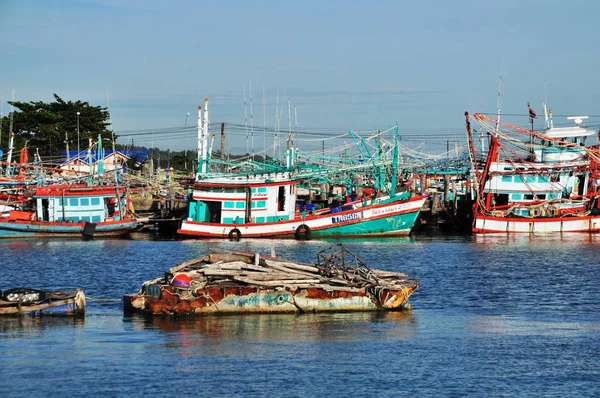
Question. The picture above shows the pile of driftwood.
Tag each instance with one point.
(337, 269)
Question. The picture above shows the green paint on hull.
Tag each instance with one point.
(400, 224)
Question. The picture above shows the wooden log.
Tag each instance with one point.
(273, 283)
(281, 268)
(228, 258)
(220, 272)
(250, 267)
(190, 263)
(300, 267)
(234, 265)
(261, 276)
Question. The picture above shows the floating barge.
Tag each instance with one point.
(227, 283)
(24, 301)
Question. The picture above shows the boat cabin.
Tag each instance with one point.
(262, 198)
(68, 203)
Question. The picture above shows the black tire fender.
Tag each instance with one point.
(235, 234)
(302, 232)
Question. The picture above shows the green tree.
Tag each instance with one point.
(44, 125)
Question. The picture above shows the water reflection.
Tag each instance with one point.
(203, 331)
(35, 326)
(528, 239)
(517, 326)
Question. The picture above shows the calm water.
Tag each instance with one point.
(494, 316)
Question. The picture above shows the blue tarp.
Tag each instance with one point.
(138, 154)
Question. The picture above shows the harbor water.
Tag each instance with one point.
(493, 316)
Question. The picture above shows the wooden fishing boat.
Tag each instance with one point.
(262, 204)
(21, 301)
(63, 210)
(536, 182)
(228, 283)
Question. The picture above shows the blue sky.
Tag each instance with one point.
(343, 65)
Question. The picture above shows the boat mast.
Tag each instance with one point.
(246, 121)
(203, 123)
(500, 95)
(251, 124)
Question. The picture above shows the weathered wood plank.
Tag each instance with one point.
(291, 265)
(273, 283)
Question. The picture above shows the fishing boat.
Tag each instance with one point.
(77, 210)
(24, 301)
(261, 204)
(237, 283)
(536, 182)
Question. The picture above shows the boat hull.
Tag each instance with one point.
(36, 229)
(246, 299)
(55, 304)
(395, 218)
(488, 224)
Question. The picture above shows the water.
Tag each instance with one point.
(494, 316)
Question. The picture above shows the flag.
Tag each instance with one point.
(532, 113)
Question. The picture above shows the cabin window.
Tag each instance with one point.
(96, 219)
(506, 178)
(260, 219)
(531, 179)
(516, 196)
(84, 201)
(73, 202)
(261, 204)
(59, 202)
(543, 179)
(253, 190)
(501, 199)
(528, 196)
(262, 189)
(228, 205)
(95, 201)
(541, 196)
(239, 205)
(508, 168)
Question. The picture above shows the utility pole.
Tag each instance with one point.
(78, 113)
(223, 168)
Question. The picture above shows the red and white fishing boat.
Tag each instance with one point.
(536, 182)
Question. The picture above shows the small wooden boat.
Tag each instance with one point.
(71, 211)
(22, 301)
(240, 282)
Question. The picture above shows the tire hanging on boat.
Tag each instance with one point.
(302, 232)
(235, 234)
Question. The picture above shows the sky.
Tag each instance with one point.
(340, 65)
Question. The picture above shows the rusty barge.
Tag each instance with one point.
(237, 282)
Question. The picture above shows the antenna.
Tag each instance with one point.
(500, 94)
(577, 119)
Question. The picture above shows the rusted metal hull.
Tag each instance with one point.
(249, 299)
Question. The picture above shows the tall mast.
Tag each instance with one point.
(264, 127)
(246, 121)
(10, 127)
(203, 124)
(500, 94)
(276, 143)
(199, 140)
(251, 124)
(1, 114)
